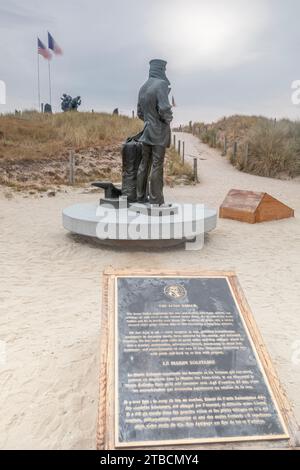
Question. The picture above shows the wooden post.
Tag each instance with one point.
(225, 147)
(174, 141)
(133, 115)
(183, 152)
(196, 170)
(234, 151)
(71, 169)
(179, 146)
(246, 155)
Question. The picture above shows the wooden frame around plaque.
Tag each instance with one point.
(107, 419)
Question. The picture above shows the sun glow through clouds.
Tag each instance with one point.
(202, 34)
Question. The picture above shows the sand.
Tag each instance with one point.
(50, 299)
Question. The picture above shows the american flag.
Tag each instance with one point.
(52, 44)
(42, 50)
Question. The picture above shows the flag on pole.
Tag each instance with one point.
(173, 102)
(52, 44)
(42, 50)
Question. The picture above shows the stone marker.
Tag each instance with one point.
(253, 207)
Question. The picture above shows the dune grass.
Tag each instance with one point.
(274, 149)
(35, 136)
(35, 149)
(274, 146)
(175, 167)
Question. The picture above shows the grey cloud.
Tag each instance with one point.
(107, 45)
(13, 14)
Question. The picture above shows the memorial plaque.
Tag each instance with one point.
(183, 366)
(186, 368)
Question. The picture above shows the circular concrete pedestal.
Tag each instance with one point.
(123, 227)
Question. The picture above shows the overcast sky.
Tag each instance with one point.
(224, 56)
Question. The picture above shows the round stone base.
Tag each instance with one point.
(126, 228)
(133, 245)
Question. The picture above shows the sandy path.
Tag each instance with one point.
(51, 292)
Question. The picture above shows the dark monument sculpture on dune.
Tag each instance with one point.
(70, 104)
(48, 108)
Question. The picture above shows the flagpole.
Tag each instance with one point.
(39, 85)
(50, 91)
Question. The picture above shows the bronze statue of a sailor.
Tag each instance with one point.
(155, 110)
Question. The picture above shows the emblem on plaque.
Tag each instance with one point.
(175, 291)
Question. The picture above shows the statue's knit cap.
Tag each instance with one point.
(158, 69)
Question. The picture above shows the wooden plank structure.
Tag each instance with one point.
(253, 207)
(107, 401)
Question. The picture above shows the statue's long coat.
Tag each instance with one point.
(155, 110)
